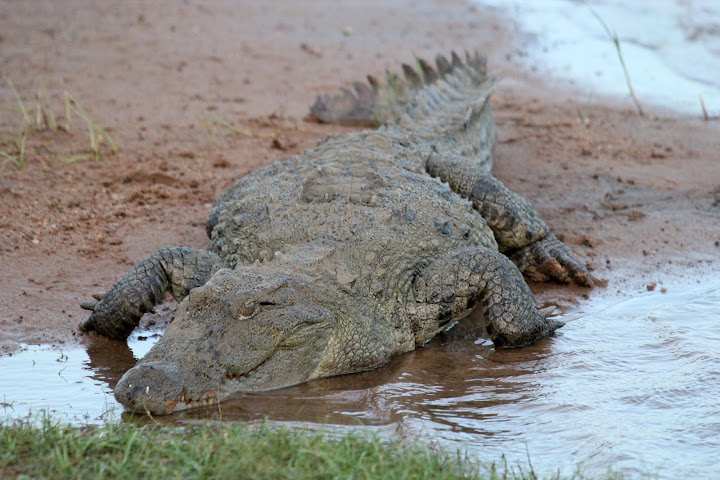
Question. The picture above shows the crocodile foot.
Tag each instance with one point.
(550, 259)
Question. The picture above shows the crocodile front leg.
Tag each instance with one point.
(460, 280)
(171, 269)
(519, 231)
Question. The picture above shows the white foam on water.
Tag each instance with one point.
(671, 47)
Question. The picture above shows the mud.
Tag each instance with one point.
(638, 197)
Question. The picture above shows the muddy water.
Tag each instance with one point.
(631, 382)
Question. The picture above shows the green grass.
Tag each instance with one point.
(50, 450)
(43, 448)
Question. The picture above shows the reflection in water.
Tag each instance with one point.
(109, 360)
(73, 385)
(630, 384)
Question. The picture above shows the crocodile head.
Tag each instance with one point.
(241, 331)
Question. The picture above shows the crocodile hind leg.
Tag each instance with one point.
(519, 231)
(171, 269)
(457, 282)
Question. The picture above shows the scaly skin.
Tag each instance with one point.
(361, 248)
(171, 269)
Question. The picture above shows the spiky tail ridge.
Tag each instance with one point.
(376, 103)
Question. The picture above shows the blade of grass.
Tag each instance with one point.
(66, 98)
(26, 116)
(21, 149)
(44, 116)
(76, 158)
(207, 127)
(213, 117)
(706, 117)
(52, 123)
(38, 116)
(95, 131)
(19, 146)
(113, 143)
(616, 41)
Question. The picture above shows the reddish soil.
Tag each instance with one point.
(638, 197)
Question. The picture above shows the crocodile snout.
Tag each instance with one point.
(151, 387)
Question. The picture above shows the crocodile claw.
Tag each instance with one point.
(88, 305)
(91, 305)
(550, 259)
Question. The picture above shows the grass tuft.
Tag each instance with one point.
(43, 448)
(47, 449)
(96, 133)
(14, 150)
(41, 118)
(616, 41)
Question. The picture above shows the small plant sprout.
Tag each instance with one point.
(23, 110)
(14, 151)
(97, 133)
(616, 41)
(209, 118)
(41, 117)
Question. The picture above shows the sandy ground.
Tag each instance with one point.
(639, 198)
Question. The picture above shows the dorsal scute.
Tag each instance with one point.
(378, 102)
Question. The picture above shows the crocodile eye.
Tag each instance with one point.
(248, 309)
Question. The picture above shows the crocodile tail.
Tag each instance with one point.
(376, 103)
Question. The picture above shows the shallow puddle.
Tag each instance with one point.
(74, 384)
(630, 383)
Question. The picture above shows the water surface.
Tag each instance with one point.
(671, 47)
(631, 382)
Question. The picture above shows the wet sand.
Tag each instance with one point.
(638, 197)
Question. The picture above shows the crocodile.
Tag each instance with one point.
(361, 248)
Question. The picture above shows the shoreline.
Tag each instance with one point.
(639, 198)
